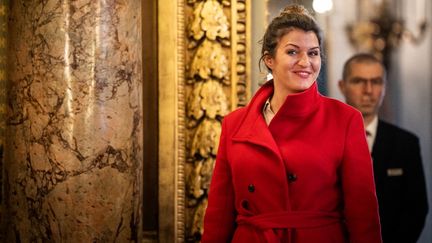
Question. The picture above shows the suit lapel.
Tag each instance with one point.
(378, 150)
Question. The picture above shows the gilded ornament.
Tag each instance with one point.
(195, 30)
(216, 71)
(2, 10)
(207, 98)
(193, 107)
(198, 219)
(2, 42)
(209, 19)
(214, 101)
(199, 179)
(194, 181)
(209, 61)
(206, 172)
(206, 139)
(214, 21)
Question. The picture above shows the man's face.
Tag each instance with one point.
(364, 87)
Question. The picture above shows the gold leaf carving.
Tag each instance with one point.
(194, 110)
(2, 10)
(195, 30)
(214, 22)
(199, 179)
(206, 98)
(216, 70)
(2, 42)
(3, 27)
(209, 60)
(209, 19)
(206, 139)
(194, 181)
(198, 219)
(206, 172)
(214, 101)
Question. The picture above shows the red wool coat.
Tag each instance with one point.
(305, 178)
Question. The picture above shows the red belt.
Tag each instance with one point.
(288, 220)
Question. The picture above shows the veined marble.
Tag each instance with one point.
(3, 44)
(74, 150)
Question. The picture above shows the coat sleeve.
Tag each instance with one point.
(360, 201)
(219, 219)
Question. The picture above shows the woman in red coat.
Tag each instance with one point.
(293, 165)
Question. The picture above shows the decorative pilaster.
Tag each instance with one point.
(73, 157)
(217, 82)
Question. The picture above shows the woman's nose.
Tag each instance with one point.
(304, 60)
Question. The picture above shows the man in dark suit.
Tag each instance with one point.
(398, 169)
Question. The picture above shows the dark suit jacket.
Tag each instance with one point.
(400, 184)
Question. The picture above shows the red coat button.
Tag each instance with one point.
(292, 177)
(251, 188)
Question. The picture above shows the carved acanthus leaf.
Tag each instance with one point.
(209, 20)
(209, 60)
(208, 98)
(206, 139)
(194, 110)
(214, 22)
(206, 172)
(214, 101)
(194, 181)
(198, 219)
(195, 30)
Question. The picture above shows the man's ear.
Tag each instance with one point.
(341, 85)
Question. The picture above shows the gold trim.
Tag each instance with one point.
(181, 146)
(168, 67)
(248, 49)
(234, 58)
(195, 91)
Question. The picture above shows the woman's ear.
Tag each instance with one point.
(268, 60)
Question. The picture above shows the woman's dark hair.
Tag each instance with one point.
(293, 16)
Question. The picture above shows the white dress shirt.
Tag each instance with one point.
(371, 131)
(268, 112)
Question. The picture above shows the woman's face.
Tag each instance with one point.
(297, 61)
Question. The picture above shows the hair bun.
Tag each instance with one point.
(295, 9)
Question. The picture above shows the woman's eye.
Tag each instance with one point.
(291, 52)
(314, 53)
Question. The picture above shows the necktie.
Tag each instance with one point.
(369, 140)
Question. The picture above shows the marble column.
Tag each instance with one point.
(73, 156)
(3, 44)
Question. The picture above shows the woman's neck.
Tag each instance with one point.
(279, 96)
(277, 100)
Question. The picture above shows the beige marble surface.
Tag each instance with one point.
(3, 46)
(74, 150)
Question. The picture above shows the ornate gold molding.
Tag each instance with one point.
(217, 81)
(203, 74)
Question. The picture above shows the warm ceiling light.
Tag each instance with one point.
(322, 6)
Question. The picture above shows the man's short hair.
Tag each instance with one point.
(360, 58)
